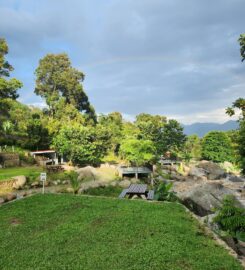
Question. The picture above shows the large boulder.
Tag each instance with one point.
(203, 198)
(198, 172)
(88, 173)
(11, 197)
(124, 184)
(212, 170)
(19, 182)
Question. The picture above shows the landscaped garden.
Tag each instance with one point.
(79, 232)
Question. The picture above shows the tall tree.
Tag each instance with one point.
(173, 137)
(113, 122)
(151, 128)
(56, 78)
(241, 41)
(8, 88)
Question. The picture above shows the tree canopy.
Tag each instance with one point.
(8, 88)
(216, 146)
(56, 78)
(242, 46)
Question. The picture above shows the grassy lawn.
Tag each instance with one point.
(7, 173)
(109, 191)
(78, 232)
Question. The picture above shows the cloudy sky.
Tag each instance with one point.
(171, 57)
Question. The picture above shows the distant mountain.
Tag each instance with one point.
(202, 128)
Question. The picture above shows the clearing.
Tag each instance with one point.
(82, 232)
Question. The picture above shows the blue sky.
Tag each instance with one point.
(173, 57)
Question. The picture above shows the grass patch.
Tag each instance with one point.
(7, 173)
(109, 191)
(78, 232)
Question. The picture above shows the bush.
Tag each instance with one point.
(216, 146)
(75, 183)
(231, 218)
(163, 192)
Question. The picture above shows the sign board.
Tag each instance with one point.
(43, 176)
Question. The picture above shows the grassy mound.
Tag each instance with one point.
(79, 232)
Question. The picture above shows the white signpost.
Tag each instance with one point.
(43, 177)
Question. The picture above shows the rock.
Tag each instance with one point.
(241, 248)
(203, 198)
(124, 184)
(177, 177)
(113, 184)
(212, 170)
(69, 190)
(65, 182)
(35, 184)
(197, 172)
(19, 182)
(235, 179)
(55, 183)
(10, 197)
(87, 173)
(1, 200)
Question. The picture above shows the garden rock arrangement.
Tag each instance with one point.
(19, 182)
(203, 198)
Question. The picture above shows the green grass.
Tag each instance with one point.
(78, 232)
(7, 173)
(109, 191)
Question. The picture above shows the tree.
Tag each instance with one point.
(56, 78)
(216, 146)
(239, 104)
(192, 148)
(151, 128)
(173, 138)
(8, 88)
(241, 41)
(113, 122)
(82, 145)
(137, 152)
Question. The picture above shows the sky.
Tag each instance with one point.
(175, 58)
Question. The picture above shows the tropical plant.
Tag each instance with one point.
(75, 183)
(231, 218)
(163, 192)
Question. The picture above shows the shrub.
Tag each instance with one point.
(163, 192)
(216, 146)
(231, 218)
(75, 183)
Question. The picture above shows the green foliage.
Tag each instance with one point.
(56, 78)
(138, 152)
(216, 146)
(113, 123)
(231, 218)
(82, 145)
(163, 192)
(151, 128)
(8, 88)
(240, 105)
(192, 148)
(173, 138)
(241, 41)
(80, 232)
(75, 183)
